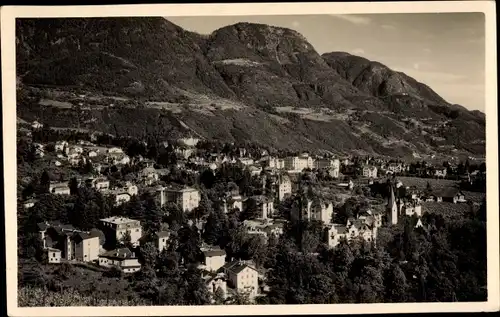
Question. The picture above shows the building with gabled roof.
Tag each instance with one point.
(122, 258)
(243, 277)
(213, 258)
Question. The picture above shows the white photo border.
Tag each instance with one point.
(10, 13)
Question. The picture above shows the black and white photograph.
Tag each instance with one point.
(270, 159)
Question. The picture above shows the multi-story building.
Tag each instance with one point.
(276, 163)
(73, 244)
(326, 163)
(243, 277)
(370, 171)
(85, 246)
(284, 185)
(186, 198)
(213, 258)
(115, 229)
(299, 163)
(162, 238)
(316, 209)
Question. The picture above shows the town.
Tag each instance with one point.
(208, 209)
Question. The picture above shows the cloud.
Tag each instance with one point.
(295, 24)
(354, 19)
(426, 50)
(388, 26)
(358, 51)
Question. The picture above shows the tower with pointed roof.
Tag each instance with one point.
(392, 208)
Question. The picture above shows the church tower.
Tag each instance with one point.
(392, 208)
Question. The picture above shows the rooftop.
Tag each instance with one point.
(118, 220)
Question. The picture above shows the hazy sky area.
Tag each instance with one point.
(443, 50)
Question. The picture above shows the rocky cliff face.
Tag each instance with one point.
(245, 81)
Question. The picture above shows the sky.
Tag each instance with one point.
(446, 51)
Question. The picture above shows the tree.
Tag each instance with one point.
(396, 285)
(251, 210)
(219, 296)
(148, 254)
(73, 186)
(196, 292)
(214, 227)
(44, 182)
(189, 244)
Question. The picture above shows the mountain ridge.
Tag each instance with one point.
(237, 74)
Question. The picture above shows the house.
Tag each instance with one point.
(264, 205)
(246, 161)
(85, 246)
(410, 209)
(148, 176)
(320, 210)
(36, 125)
(162, 238)
(284, 187)
(213, 258)
(73, 244)
(216, 283)
(100, 184)
(59, 188)
(186, 198)
(231, 202)
(440, 173)
(335, 234)
(122, 258)
(118, 158)
(121, 195)
(53, 255)
(255, 170)
(243, 277)
(114, 150)
(185, 152)
(316, 209)
(115, 228)
(264, 227)
(395, 168)
(453, 195)
(29, 203)
(370, 171)
(131, 189)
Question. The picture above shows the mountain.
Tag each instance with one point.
(243, 82)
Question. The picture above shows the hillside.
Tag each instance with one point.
(251, 82)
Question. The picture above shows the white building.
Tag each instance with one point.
(299, 163)
(275, 163)
(53, 255)
(243, 277)
(59, 188)
(122, 258)
(284, 187)
(116, 227)
(186, 198)
(162, 238)
(370, 171)
(213, 259)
